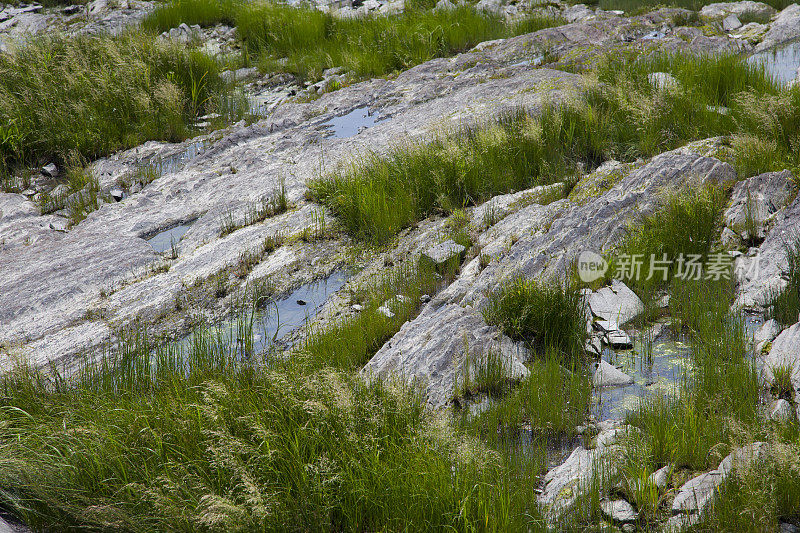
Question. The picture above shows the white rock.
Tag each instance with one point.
(781, 411)
(662, 81)
(441, 253)
(731, 23)
(385, 311)
(616, 303)
(619, 340)
(660, 477)
(785, 353)
(607, 375)
(619, 511)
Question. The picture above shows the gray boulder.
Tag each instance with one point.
(616, 303)
(436, 348)
(607, 375)
(619, 511)
(766, 333)
(746, 8)
(785, 28)
(731, 23)
(785, 354)
(440, 254)
(781, 411)
(758, 198)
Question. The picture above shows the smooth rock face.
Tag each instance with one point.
(441, 253)
(432, 351)
(619, 340)
(746, 8)
(781, 411)
(767, 332)
(619, 511)
(617, 303)
(785, 28)
(731, 22)
(607, 375)
(757, 199)
(660, 477)
(785, 353)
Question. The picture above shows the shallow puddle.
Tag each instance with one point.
(352, 123)
(660, 372)
(782, 63)
(163, 242)
(173, 163)
(277, 319)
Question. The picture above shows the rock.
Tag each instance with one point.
(593, 346)
(619, 340)
(50, 170)
(117, 194)
(385, 311)
(564, 483)
(60, 192)
(731, 22)
(785, 28)
(785, 353)
(425, 298)
(607, 375)
(59, 224)
(444, 5)
(616, 303)
(578, 13)
(71, 10)
(752, 32)
(490, 6)
(239, 74)
(357, 308)
(788, 528)
(758, 198)
(781, 411)
(767, 332)
(747, 9)
(729, 239)
(696, 493)
(440, 254)
(606, 326)
(660, 478)
(662, 81)
(619, 511)
(432, 349)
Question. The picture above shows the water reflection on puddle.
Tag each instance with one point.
(352, 123)
(163, 242)
(781, 63)
(272, 323)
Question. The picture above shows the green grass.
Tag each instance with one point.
(687, 224)
(225, 447)
(546, 316)
(87, 96)
(305, 41)
(622, 117)
(784, 305)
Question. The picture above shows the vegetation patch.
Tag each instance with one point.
(87, 96)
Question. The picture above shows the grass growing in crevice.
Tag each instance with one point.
(641, 6)
(784, 305)
(90, 95)
(546, 316)
(265, 207)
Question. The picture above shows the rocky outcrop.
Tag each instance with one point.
(785, 28)
(756, 200)
(438, 348)
(785, 355)
(745, 8)
(617, 303)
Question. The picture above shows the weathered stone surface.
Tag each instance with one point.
(607, 375)
(564, 483)
(745, 8)
(441, 253)
(619, 511)
(616, 303)
(781, 411)
(760, 273)
(731, 22)
(432, 349)
(766, 333)
(619, 340)
(785, 354)
(660, 478)
(758, 198)
(785, 28)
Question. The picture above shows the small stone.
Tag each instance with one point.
(731, 22)
(606, 326)
(619, 511)
(50, 170)
(619, 340)
(117, 194)
(425, 298)
(357, 307)
(781, 411)
(660, 477)
(301, 302)
(444, 5)
(385, 311)
(607, 375)
(662, 80)
(60, 192)
(441, 253)
(401, 298)
(58, 224)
